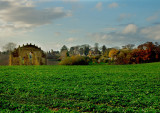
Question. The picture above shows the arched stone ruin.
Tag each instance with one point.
(27, 55)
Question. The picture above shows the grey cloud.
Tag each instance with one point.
(58, 0)
(20, 16)
(125, 24)
(58, 34)
(4, 5)
(31, 16)
(24, 15)
(156, 23)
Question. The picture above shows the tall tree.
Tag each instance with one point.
(64, 52)
(156, 43)
(9, 46)
(64, 48)
(96, 48)
(86, 50)
(71, 51)
(148, 49)
(104, 49)
(81, 51)
(128, 46)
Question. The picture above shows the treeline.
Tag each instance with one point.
(144, 53)
(85, 54)
(128, 54)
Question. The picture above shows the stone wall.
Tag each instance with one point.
(4, 59)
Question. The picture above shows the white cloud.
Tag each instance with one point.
(11, 30)
(7, 31)
(71, 39)
(23, 15)
(153, 17)
(124, 16)
(152, 32)
(99, 6)
(99, 37)
(56, 46)
(131, 28)
(113, 5)
(131, 34)
(57, 34)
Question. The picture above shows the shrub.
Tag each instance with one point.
(103, 59)
(94, 59)
(66, 61)
(75, 60)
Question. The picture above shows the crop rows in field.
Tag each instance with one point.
(99, 88)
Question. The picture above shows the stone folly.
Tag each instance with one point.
(27, 55)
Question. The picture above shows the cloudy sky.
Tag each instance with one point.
(54, 23)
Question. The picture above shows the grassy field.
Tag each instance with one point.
(93, 88)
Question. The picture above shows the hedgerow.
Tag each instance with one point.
(75, 60)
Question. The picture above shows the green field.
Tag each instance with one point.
(93, 88)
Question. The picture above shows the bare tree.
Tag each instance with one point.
(128, 46)
(9, 46)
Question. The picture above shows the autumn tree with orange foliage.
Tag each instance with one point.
(145, 53)
(113, 53)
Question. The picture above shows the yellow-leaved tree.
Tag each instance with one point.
(113, 53)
